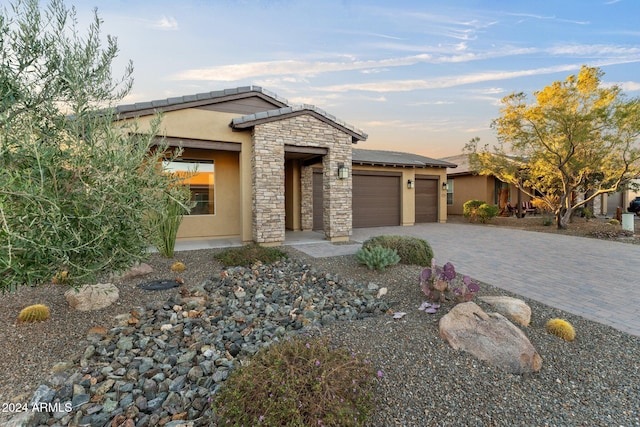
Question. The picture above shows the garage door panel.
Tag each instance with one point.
(426, 200)
(376, 200)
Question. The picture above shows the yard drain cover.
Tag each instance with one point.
(158, 285)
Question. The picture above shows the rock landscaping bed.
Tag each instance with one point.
(155, 357)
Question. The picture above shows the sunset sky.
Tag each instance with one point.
(417, 76)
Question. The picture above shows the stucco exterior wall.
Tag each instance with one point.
(470, 187)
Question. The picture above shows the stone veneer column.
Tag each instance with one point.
(302, 130)
(337, 205)
(267, 179)
(306, 202)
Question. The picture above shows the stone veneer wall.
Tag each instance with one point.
(306, 202)
(268, 177)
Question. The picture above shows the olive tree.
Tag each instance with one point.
(75, 186)
(579, 136)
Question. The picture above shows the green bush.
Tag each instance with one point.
(479, 211)
(470, 209)
(298, 383)
(249, 254)
(412, 250)
(486, 212)
(75, 184)
(377, 257)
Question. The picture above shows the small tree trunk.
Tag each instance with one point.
(563, 219)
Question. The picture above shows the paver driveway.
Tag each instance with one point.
(595, 279)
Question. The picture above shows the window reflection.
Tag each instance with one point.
(199, 176)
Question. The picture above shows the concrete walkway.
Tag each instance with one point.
(598, 280)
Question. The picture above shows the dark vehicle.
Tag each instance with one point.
(634, 206)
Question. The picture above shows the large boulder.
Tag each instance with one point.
(513, 308)
(489, 337)
(92, 297)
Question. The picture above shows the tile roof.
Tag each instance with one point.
(462, 160)
(242, 121)
(199, 97)
(396, 158)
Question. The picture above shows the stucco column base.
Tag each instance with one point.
(336, 239)
(408, 224)
(270, 244)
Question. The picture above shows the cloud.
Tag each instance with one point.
(549, 18)
(288, 67)
(460, 80)
(629, 86)
(165, 23)
(249, 70)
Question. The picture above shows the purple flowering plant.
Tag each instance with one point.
(441, 284)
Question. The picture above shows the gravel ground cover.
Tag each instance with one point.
(591, 381)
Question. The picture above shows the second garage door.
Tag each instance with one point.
(426, 199)
(376, 199)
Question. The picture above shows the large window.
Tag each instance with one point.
(200, 177)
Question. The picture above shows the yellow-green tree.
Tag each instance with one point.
(578, 137)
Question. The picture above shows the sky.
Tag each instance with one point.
(417, 76)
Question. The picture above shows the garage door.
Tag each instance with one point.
(426, 199)
(376, 199)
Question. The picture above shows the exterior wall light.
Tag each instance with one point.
(411, 184)
(343, 172)
(444, 186)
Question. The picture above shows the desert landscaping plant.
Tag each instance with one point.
(377, 257)
(444, 284)
(74, 187)
(34, 313)
(248, 255)
(412, 250)
(298, 382)
(479, 211)
(577, 136)
(561, 328)
(163, 223)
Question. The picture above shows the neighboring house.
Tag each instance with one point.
(464, 184)
(264, 166)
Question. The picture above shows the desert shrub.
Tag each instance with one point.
(249, 254)
(470, 209)
(546, 221)
(485, 212)
(377, 257)
(298, 382)
(75, 185)
(412, 250)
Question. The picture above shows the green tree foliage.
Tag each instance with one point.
(579, 136)
(74, 188)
